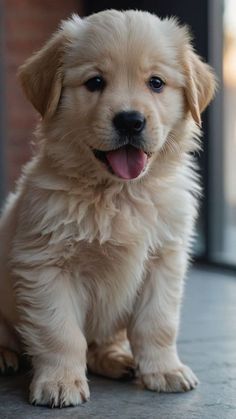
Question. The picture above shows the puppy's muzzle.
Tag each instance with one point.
(128, 157)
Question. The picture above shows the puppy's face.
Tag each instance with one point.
(116, 86)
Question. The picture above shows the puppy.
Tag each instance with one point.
(96, 239)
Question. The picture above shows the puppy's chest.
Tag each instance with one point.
(111, 277)
(106, 250)
(97, 231)
(105, 247)
(110, 247)
(123, 223)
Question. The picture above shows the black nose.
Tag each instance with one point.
(129, 122)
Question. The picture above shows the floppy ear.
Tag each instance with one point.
(41, 76)
(200, 84)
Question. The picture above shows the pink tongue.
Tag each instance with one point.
(127, 162)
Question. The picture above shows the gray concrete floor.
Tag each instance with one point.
(207, 342)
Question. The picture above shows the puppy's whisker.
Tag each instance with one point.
(171, 145)
(67, 134)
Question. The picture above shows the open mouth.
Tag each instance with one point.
(126, 162)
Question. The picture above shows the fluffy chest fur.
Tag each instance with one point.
(70, 218)
(102, 237)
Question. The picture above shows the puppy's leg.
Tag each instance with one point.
(112, 359)
(50, 327)
(9, 349)
(154, 326)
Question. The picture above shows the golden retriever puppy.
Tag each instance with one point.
(95, 241)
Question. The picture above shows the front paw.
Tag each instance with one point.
(178, 380)
(58, 388)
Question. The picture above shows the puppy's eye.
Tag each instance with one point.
(95, 84)
(156, 84)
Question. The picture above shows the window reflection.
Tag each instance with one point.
(229, 137)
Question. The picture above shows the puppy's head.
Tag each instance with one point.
(111, 88)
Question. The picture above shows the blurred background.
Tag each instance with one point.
(24, 27)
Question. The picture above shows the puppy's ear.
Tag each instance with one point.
(41, 76)
(200, 84)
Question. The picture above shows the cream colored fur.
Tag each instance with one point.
(84, 254)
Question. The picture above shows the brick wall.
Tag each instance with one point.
(27, 24)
